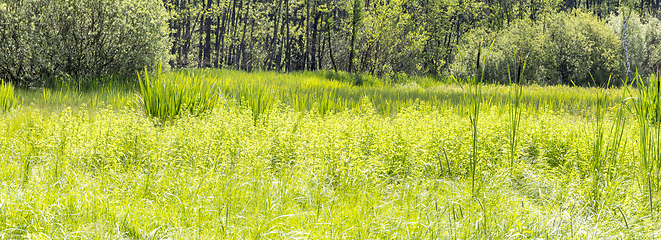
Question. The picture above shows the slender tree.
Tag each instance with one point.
(357, 16)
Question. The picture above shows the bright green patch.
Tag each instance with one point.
(171, 94)
(73, 169)
(7, 98)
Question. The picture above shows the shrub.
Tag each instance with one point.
(7, 97)
(60, 39)
(560, 48)
(643, 40)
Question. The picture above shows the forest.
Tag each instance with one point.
(563, 42)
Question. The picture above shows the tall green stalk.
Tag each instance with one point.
(647, 109)
(596, 163)
(617, 132)
(515, 94)
(473, 98)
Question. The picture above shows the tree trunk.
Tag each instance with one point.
(220, 37)
(306, 57)
(288, 38)
(207, 42)
(274, 40)
(242, 46)
(187, 35)
(315, 38)
(330, 46)
(200, 46)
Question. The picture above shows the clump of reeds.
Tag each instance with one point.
(170, 95)
(8, 99)
(515, 94)
(473, 98)
(646, 107)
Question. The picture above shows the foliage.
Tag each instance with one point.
(644, 41)
(48, 39)
(394, 44)
(396, 37)
(170, 95)
(7, 98)
(562, 48)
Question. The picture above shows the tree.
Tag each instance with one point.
(45, 40)
(356, 18)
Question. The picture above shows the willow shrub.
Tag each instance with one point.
(67, 39)
(561, 48)
(643, 41)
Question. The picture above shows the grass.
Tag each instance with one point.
(169, 95)
(646, 106)
(7, 96)
(336, 164)
(514, 106)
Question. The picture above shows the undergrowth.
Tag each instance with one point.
(91, 165)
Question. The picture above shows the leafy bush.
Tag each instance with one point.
(643, 40)
(562, 48)
(7, 97)
(169, 95)
(49, 39)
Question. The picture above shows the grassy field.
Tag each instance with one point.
(309, 156)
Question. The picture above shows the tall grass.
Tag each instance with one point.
(7, 98)
(169, 95)
(515, 95)
(596, 158)
(473, 99)
(646, 106)
(259, 99)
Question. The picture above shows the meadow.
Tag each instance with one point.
(309, 155)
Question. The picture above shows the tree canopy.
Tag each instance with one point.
(564, 40)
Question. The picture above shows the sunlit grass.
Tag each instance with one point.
(325, 160)
(8, 98)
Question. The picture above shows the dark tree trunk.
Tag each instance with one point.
(274, 40)
(207, 42)
(306, 58)
(220, 37)
(242, 45)
(330, 49)
(187, 35)
(200, 45)
(288, 38)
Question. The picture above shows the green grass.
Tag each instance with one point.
(169, 95)
(325, 160)
(7, 96)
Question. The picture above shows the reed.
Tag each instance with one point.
(8, 99)
(473, 99)
(645, 106)
(514, 107)
(169, 95)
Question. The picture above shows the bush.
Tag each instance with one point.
(561, 48)
(643, 40)
(49, 39)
